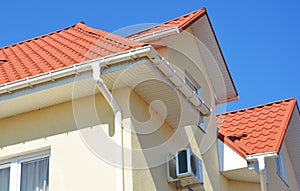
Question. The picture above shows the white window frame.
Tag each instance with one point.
(15, 165)
(281, 166)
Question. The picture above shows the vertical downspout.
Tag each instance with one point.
(262, 173)
(117, 125)
(261, 159)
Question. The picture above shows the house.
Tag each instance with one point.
(84, 109)
(259, 145)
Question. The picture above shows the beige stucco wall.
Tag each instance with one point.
(72, 164)
(275, 181)
(155, 178)
(245, 186)
(182, 52)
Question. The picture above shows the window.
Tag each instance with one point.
(201, 123)
(198, 90)
(280, 166)
(29, 173)
(4, 177)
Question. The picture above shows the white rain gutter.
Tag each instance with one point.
(261, 159)
(143, 52)
(71, 70)
(118, 135)
(157, 35)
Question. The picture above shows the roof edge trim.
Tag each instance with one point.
(286, 125)
(236, 97)
(260, 105)
(230, 145)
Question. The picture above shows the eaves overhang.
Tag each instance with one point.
(158, 63)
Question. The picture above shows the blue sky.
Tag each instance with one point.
(259, 39)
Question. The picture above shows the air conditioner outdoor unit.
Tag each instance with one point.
(185, 168)
(188, 168)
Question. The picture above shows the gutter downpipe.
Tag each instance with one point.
(261, 159)
(118, 135)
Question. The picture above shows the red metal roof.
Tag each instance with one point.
(257, 129)
(59, 49)
(181, 22)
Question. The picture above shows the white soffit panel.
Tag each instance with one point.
(292, 141)
(223, 84)
(137, 76)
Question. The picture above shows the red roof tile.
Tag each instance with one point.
(59, 49)
(181, 22)
(257, 129)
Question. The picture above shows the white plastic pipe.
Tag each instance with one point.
(118, 135)
(261, 159)
(262, 173)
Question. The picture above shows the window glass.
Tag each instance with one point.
(201, 123)
(199, 92)
(4, 179)
(280, 165)
(35, 175)
(190, 84)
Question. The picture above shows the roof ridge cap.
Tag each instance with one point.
(86, 28)
(286, 124)
(103, 33)
(257, 106)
